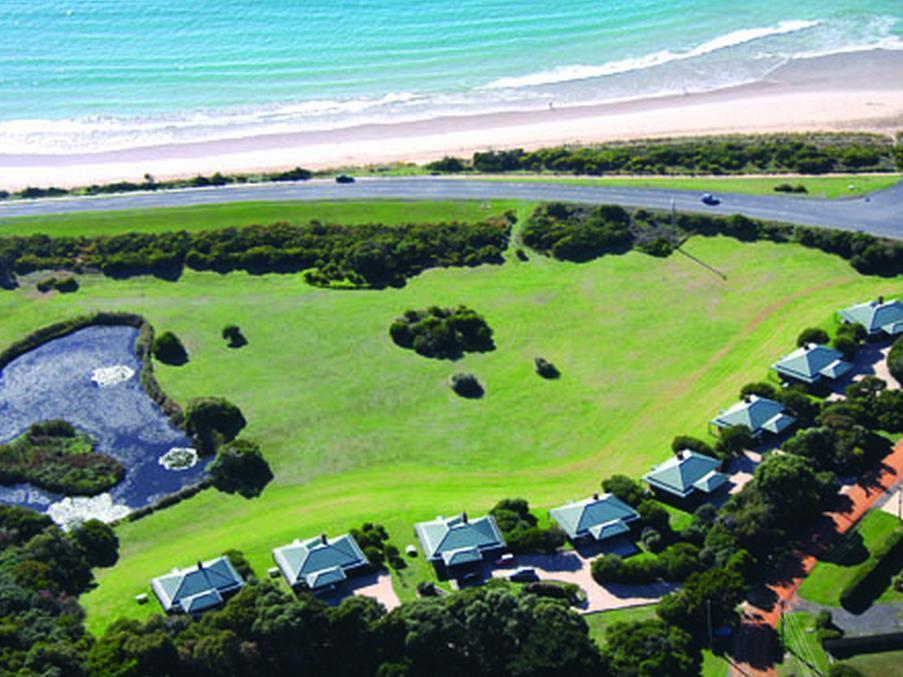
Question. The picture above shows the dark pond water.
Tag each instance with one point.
(55, 381)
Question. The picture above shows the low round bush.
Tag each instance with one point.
(467, 385)
(895, 360)
(239, 467)
(443, 333)
(812, 335)
(232, 333)
(545, 368)
(169, 349)
(67, 285)
(213, 420)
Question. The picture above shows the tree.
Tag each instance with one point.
(812, 335)
(239, 467)
(650, 648)
(169, 349)
(624, 488)
(213, 421)
(734, 440)
(895, 360)
(682, 442)
(712, 594)
(760, 390)
(791, 486)
(99, 542)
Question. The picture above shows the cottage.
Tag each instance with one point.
(595, 519)
(198, 588)
(876, 316)
(456, 543)
(320, 563)
(811, 363)
(686, 475)
(759, 414)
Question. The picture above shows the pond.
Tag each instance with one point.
(92, 378)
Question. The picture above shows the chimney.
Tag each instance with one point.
(200, 565)
(323, 539)
(464, 517)
(880, 300)
(747, 399)
(595, 497)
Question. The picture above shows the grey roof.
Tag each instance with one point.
(686, 472)
(812, 362)
(875, 316)
(757, 414)
(319, 562)
(600, 516)
(458, 540)
(197, 588)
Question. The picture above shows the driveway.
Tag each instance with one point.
(571, 567)
(378, 586)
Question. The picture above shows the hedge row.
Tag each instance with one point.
(887, 559)
(166, 501)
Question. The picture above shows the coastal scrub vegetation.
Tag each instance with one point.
(581, 233)
(817, 153)
(443, 333)
(520, 528)
(213, 421)
(239, 467)
(168, 349)
(373, 255)
(52, 455)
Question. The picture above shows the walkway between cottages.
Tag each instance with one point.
(752, 648)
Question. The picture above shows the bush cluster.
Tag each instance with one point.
(53, 456)
(674, 563)
(65, 285)
(232, 334)
(168, 349)
(545, 368)
(444, 333)
(374, 541)
(767, 154)
(467, 385)
(213, 421)
(374, 255)
(239, 467)
(519, 527)
(895, 360)
(578, 233)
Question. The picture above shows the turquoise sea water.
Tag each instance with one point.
(98, 74)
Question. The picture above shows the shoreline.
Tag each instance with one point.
(855, 91)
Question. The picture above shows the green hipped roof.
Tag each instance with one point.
(686, 472)
(597, 516)
(315, 562)
(198, 587)
(886, 316)
(757, 414)
(448, 535)
(811, 362)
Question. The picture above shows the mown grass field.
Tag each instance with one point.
(205, 217)
(358, 429)
(829, 577)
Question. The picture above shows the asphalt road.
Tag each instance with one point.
(880, 213)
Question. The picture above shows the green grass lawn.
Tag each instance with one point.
(828, 578)
(204, 217)
(357, 429)
(599, 623)
(822, 186)
(805, 656)
(881, 664)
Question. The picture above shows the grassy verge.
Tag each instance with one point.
(804, 656)
(205, 217)
(356, 429)
(853, 552)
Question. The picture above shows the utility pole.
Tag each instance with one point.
(783, 644)
(673, 221)
(708, 619)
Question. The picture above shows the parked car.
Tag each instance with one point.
(344, 178)
(709, 199)
(471, 578)
(523, 575)
(506, 560)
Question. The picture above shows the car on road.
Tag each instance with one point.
(506, 560)
(523, 575)
(709, 199)
(344, 178)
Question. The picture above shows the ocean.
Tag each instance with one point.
(93, 75)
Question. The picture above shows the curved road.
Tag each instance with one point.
(880, 213)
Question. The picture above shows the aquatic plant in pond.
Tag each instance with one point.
(179, 458)
(54, 381)
(70, 511)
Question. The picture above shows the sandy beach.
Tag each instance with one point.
(841, 92)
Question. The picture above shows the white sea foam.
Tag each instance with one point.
(583, 72)
(179, 458)
(105, 377)
(73, 510)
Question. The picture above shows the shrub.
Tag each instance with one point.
(679, 560)
(212, 421)
(232, 333)
(652, 540)
(654, 515)
(682, 442)
(169, 349)
(733, 440)
(895, 360)
(812, 335)
(447, 164)
(46, 284)
(240, 563)
(239, 467)
(870, 579)
(442, 332)
(466, 385)
(624, 488)
(99, 542)
(545, 368)
(578, 233)
(788, 188)
(67, 285)
(848, 339)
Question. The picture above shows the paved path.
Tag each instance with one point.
(878, 213)
(571, 567)
(754, 637)
(877, 619)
